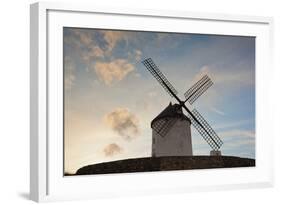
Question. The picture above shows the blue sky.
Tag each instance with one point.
(110, 98)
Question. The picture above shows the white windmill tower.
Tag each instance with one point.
(176, 132)
(171, 135)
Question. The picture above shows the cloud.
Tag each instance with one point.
(88, 38)
(69, 68)
(135, 55)
(205, 70)
(225, 82)
(125, 123)
(235, 77)
(93, 53)
(84, 36)
(234, 124)
(237, 133)
(138, 55)
(116, 70)
(93, 46)
(217, 111)
(112, 149)
(91, 50)
(112, 38)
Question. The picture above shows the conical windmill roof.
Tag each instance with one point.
(171, 111)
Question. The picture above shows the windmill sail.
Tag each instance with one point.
(198, 89)
(163, 126)
(208, 133)
(159, 76)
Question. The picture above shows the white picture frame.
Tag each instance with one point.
(47, 182)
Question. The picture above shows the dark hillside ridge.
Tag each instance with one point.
(165, 164)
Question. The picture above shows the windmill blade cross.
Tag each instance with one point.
(200, 124)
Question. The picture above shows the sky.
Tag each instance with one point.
(110, 98)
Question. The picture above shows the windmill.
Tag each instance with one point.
(162, 127)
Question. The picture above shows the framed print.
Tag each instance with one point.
(154, 101)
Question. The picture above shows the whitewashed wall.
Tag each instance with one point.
(177, 141)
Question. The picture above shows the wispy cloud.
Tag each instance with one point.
(125, 123)
(226, 82)
(95, 50)
(85, 36)
(205, 70)
(91, 47)
(135, 55)
(93, 53)
(237, 133)
(113, 71)
(237, 77)
(138, 55)
(217, 111)
(85, 45)
(239, 123)
(113, 37)
(112, 149)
